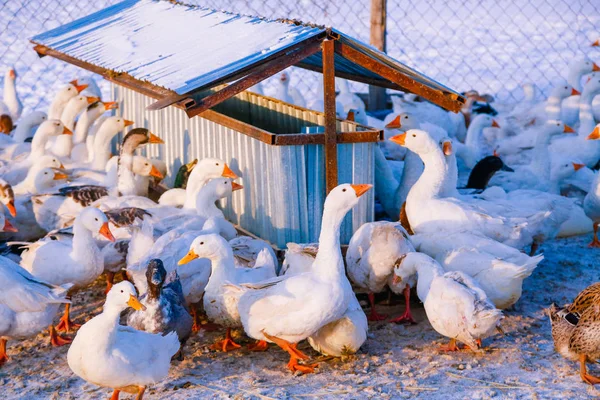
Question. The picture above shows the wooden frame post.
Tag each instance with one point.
(377, 95)
(331, 167)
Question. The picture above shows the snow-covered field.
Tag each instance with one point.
(397, 361)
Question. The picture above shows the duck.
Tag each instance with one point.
(285, 311)
(103, 140)
(81, 260)
(27, 306)
(570, 110)
(63, 145)
(120, 357)
(455, 304)
(79, 153)
(11, 104)
(348, 99)
(584, 342)
(143, 168)
(219, 305)
(370, 259)
(287, 93)
(207, 169)
(165, 309)
(61, 98)
(16, 171)
(183, 174)
(339, 338)
(499, 269)
(484, 170)
(562, 323)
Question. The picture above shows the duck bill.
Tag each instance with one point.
(595, 135)
(190, 166)
(105, 231)
(568, 129)
(67, 131)
(11, 208)
(190, 256)
(394, 124)
(92, 100)
(155, 139)
(80, 88)
(506, 168)
(350, 116)
(134, 303)
(228, 173)
(129, 123)
(495, 124)
(236, 186)
(8, 227)
(59, 175)
(361, 189)
(399, 139)
(577, 166)
(111, 105)
(595, 67)
(447, 148)
(575, 92)
(156, 173)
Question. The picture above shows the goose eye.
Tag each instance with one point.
(69, 89)
(406, 117)
(414, 135)
(96, 219)
(146, 164)
(201, 243)
(217, 164)
(121, 291)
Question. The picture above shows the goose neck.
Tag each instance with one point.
(38, 145)
(222, 266)
(553, 107)
(431, 181)
(83, 125)
(84, 245)
(574, 78)
(192, 192)
(206, 204)
(125, 176)
(329, 260)
(586, 114)
(102, 142)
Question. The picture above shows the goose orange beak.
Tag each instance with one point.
(577, 166)
(399, 139)
(568, 129)
(595, 135)
(105, 231)
(92, 100)
(129, 123)
(156, 173)
(228, 173)
(394, 124)
(191, 255)
(447, 148)
(361, 188)
(350, 116)
(67, 131)
(236, 186)
(575, 92)
(495, 124)
(59, 175)
(12, 74)
(8, 227)
(155, 139)
(111, 105)
(190, 166)
(596, 43)
(595, 67)
(80, 88)
(134, 303)
(11, 208)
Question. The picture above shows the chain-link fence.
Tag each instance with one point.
(488, 45)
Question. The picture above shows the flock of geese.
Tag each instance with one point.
(455, 219)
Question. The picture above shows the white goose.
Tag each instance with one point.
(570, 110)
(11, 104)
(84, 123)
(119, 357)
(103, 139)
(455, 305)
(61, 99)
(63, 145)
(15, 146)
(286, 311)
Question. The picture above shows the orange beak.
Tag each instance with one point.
(235, 186)
(577, 167)
(110, 105)
(575, 92)
(11, 208)
(8, 227)
(155, 139)
(228, 173)
(595, 67)
(66, 131)
(105, 231)
(156, 173)
(447, 148)
(495, 153)
(399, 139)
(495, 124)
(59, 175)
(80, 88)
(394, 124)
(62, 166)
(129, 123)
(361, 189)
(92, 100)
(12, 74)
(350, 116)
(568, 129)
(595, 135)
(596, 43)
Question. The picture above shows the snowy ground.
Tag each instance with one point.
(397, 361)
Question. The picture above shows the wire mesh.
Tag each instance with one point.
(488, 45)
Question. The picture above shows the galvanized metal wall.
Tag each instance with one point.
(284, 186)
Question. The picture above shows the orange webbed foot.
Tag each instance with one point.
(594, 244)
(66, 325)
(590, 379)
(225, 345)
(261, 345)
(451, 346)
(294, 366)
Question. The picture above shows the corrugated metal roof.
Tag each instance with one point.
(188, 48)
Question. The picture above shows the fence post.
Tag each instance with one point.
(377, 97)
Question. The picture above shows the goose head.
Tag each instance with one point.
(52, 127)
(482, 121)
(484, 170)
(562, 90)
(95, 221)
(144, 167)
(417, 141)
(138, 137)
(207, 246)
(122, 296)
(34, 118)
(284, 79)
(91, 86)
(10, 75)
(212, 168)
(556, 127)
(345, 196)
(595, 134)
(219, 188)
(564, 170)
(358, 116)
(403, 121)
(155, 276)
(78, 103)
(582, 65)
(97, 108)
(46, 178)
(68, 91)
(5, 225)
(112, 125)
(592, 87)
(7, 197)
